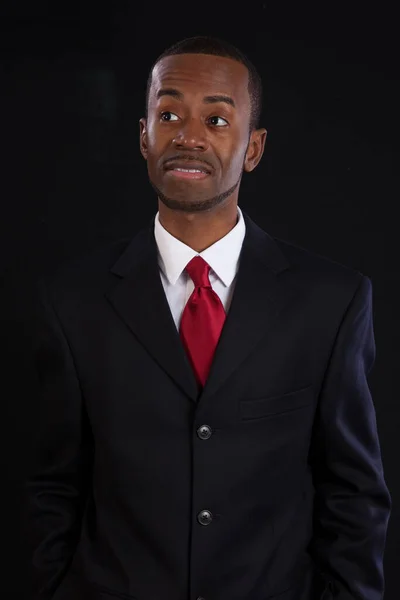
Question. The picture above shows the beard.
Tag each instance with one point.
(196, 206)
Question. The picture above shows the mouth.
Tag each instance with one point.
(182, 170)
(181, 173)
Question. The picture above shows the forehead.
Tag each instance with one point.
(204, 74)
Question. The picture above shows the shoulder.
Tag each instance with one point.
(83, 275)
(310, 261)
(298, 265)
(321, 275)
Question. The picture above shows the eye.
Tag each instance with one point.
(168, 116)
(214, 121)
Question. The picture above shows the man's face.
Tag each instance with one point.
(196, 138)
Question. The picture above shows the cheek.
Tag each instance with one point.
(152, 134)
(154, 148)
(235, 158)
(151, 142)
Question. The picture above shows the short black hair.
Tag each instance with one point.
(218, 47)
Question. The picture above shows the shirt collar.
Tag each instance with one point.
(222, 256)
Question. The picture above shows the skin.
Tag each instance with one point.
(185, 128)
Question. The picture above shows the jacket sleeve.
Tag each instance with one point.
(352, 503)
(57, 487)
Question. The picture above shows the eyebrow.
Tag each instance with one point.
(207, 99)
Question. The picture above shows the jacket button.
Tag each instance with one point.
(204, 517)
(204, 432)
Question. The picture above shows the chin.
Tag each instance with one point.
(186, 204)
(183, 200)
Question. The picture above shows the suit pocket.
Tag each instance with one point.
(104, 593)
(327, 594)
(276, 405)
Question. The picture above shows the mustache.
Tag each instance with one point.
(188, 158)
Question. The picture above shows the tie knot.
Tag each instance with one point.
(198, 270)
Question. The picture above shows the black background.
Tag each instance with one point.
(73, 81)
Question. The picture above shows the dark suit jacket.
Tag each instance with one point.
(280, 447)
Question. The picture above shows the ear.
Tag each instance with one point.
(255, 149)
(143, 137)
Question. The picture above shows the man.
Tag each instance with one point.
(207, 426)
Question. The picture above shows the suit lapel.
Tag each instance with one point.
(139, 299)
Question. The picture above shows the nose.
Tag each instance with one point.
(191, 136)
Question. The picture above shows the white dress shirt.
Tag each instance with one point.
(174, 255)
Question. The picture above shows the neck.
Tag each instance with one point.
(199, 230)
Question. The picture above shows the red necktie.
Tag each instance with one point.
(202, 320)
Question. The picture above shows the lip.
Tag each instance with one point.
(186, 164)
(185, 174)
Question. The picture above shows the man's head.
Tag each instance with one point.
(203, 104)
